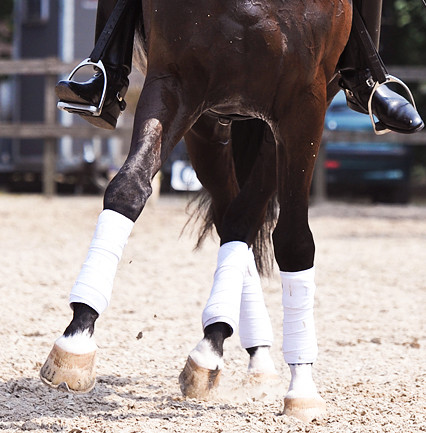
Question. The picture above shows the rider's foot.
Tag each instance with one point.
(392, 110)
(89, 93)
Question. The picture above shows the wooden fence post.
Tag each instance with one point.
(50, 143)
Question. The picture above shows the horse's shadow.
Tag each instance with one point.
(25, 402)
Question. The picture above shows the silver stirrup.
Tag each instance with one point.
(389, 79)
(87, 109)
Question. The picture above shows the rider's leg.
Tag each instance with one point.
(392, 110)
(117, 61)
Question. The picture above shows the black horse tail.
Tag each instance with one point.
(247, 136)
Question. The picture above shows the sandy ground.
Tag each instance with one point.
(370, 314)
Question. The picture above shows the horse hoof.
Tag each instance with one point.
(196, 381)
(69, 372)
(305, 409)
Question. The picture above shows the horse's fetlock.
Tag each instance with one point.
(83, 320)
(216, 334)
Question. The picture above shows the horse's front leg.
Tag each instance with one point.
(161, 118)
(294, 247)
(71, 363)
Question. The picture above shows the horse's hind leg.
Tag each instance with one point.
(235, 285)
(255, 165)
(236, 300)
(255, 327)
(209, 147)
(220, 319)
(294, 251)
(161, 119)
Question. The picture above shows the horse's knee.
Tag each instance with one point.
(129, 190)
(127, 194)
(294, 249)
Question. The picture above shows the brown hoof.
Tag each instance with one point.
(305, 409)
(69, 372)
(196, 381)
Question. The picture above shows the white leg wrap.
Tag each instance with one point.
(94, 283)
(224, 302)
(255, 325)
(299, 339)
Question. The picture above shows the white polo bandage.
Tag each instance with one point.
(299, 339)
(94, 283)
(224, 302)
(255, 325)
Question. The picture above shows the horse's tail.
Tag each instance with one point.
(247, 136)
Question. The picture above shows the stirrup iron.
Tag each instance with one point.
(378, 127)
(86, 109)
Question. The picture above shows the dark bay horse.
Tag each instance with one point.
(208, 62)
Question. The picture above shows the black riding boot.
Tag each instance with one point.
(117, 60)
(393, 111)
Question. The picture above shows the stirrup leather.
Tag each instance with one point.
(378, 127)
(86, 109)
